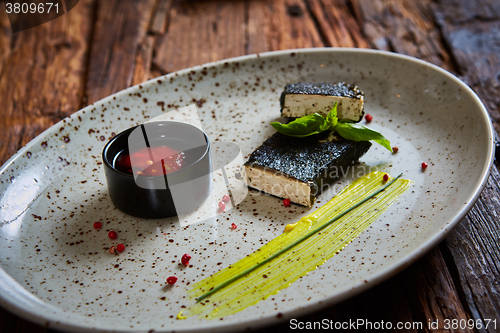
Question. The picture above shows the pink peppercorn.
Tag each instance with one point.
(185, 259)
(120, 247)
(172, 280)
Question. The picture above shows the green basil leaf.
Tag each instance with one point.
(356, 132)
(331, 118)
(303, 126)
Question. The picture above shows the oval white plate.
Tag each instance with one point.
(55, 268)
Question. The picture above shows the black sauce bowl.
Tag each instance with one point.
(178, 192)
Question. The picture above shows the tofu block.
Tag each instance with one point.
(303, 98)
(301, 168)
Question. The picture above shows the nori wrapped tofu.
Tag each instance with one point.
(303, 98)
(300, 168)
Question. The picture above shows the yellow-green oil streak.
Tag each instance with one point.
(280, 272)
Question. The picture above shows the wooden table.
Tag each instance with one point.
(100, 47)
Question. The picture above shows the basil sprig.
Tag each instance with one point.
(315, 123)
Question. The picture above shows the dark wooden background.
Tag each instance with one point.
(100, 47)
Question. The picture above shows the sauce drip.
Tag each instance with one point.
(154, 161)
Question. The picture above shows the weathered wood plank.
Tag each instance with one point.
(280, 24)
(42, 77)
(407, 27)
(200, 32)
(471, 234)
(143, 57)
(120, 28)
(402, 26)
(475, 249)
(437, 297)
(337, 23)
(5, 37)
(159, 18)
(472, 31)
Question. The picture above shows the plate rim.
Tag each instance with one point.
(297, 312)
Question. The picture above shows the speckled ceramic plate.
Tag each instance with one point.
(56, 270)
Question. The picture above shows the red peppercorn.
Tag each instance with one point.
(112, 234)
(226, 198)
(424, 166)
(222, 206)
(386, 177)
(185, 259)
(172, 280)
(97, 225)
(286, 202)
(233, 226)
(368, 117)
(395, 149)
(120, 247)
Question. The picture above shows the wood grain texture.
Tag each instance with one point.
(200, 32)
(403, 26)
(5, 37)
(120, 27)
(407, 27)
(336, 23)
(280, 24)
(474, 246)
(472, 33)
(42, 77)
(471, 30)
(437, 297)
(143, 59)
(159, 19)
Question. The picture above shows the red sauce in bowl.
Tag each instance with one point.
(153, 161)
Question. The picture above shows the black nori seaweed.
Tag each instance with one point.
(340, 89)
(311, 160)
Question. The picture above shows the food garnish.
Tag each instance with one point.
(185, 259)
(315, 123)
(120, 247)
(112, 234)
(395, 149)
(97, 225)
(298, 250)
(424, 166)
(233, 226)
(172, 280)
(286, 202)
(222, 206)
(368, 118)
